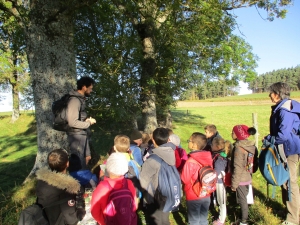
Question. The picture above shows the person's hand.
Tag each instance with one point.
(233, 189)
(91, 120)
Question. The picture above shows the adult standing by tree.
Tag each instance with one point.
(78, 121)
(284, 123)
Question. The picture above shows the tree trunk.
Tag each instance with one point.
(15, 95)
(148, 92)
(51, 59)
(16, 101)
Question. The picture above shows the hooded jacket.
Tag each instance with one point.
(52, 187)
(239, 159)
(76, 114)
(284, 124)
(190, 171)
(150, 170)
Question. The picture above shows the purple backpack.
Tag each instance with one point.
(120, 207)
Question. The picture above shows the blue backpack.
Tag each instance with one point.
(133, 174)
(272, 166)
(169, 185)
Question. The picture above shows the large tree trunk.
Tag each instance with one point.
(51, 58)
(148, 93)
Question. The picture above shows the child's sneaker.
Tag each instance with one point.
(217, 222)
(288, 223)
(238, 222)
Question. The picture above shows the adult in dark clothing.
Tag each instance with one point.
(210, 133)
(78, 121)
(54, 185)
(284, 123)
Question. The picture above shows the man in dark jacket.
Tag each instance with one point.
(78, 121)
(56, 185)
(284, 124)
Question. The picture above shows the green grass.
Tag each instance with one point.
(18, 147)
(248, 97)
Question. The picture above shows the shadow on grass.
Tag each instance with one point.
(185, 116)
(15, 168)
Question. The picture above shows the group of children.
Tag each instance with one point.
(130, 170)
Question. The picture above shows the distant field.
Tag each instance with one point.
(248, 97)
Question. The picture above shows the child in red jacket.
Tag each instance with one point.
(197, 207)
(116, 166)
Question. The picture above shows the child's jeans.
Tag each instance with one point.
(198, 211)
(241, 198)
(221, 198)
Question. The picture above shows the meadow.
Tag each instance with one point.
(18, 146)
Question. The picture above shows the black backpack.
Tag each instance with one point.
(59, 110)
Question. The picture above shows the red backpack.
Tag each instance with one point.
(206, 181)
(120, 206)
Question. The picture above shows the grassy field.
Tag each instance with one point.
(18, 148)
(248, 97)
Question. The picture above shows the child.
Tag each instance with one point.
(121, 145)
(85, 177)
(220, 150)
(241, 178)
(54, 185)
(155, 202)
(116, 167)
(210, 133)
(197, 207)
(135, 142)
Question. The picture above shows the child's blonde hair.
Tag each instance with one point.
(121, 143)
(222, 144)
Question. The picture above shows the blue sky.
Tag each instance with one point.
(276, 43)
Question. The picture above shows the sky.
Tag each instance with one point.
(276, 43)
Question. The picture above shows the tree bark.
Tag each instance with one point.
(148, 92)
(15, 95)
(16, 101)
(51, 59)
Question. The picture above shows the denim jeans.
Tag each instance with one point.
(198, 211)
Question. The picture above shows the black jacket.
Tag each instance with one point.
(52, 187)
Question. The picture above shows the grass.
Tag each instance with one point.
(18, 147)
(248, 97)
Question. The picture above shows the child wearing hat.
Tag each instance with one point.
(241, 178)
(135, 142)
(116, 166)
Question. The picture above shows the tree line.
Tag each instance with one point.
(287, 75)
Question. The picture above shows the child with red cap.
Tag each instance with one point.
(241, 177)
